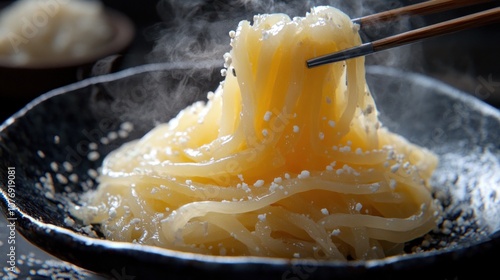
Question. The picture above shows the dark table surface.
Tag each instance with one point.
(467, 60)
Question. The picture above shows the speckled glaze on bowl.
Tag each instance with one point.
(462, 130)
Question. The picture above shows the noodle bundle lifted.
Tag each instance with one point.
(281, 161)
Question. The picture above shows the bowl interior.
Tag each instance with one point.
(60, 136)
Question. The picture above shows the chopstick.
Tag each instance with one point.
(424, 8)
(461, 23)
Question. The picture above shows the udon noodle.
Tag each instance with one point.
(280, 161)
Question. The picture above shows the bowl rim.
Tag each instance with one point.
(123, 32)
(50, 229)
(135, 70)
(401, 260)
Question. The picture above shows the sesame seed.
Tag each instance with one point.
(112, 135)
(264, 132)
(374, 187)
(273, 187)
(92, 173)
(267, 116)
(358, 206)
(392, 184)
(41, 154)
(262, 217)
(321, 136)
(258, 183)
(446, 231)
(331, 123)
(61, 178)
(69, 222)
(245, 187)
(123, 134)
(345, 149)
(296, 129)
(67, 166)
(54, 166)
(93, 156)
(127, 126)
(304, 174)
(90, 183)
(324, 211)
(73, 178)
(228, 60)
(447, 224)
(336, 232)
(395, 168)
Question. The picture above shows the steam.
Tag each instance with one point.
(198, 30)
(191, 40)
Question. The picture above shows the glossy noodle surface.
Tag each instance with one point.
(280, 161)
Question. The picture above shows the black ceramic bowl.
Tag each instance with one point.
(61, 125)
